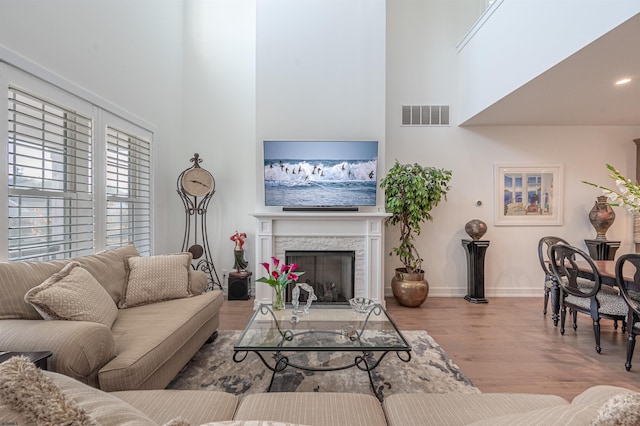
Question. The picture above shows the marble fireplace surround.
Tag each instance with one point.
(277, 232)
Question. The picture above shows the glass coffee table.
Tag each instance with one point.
(326, 328)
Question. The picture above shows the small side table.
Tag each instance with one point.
(38, 358)
(239, 286)
(476, 250)
(602, 249)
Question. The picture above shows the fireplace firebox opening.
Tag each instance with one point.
(331, 273)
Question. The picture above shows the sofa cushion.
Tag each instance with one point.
(599, 394)
(250, 423)
(194, 406)
(583, 410)
(152, 279)
(109, 268)
(16, 278)
(148, 337)
(316, 408)
(73, 294)
(568, 415)
(53, 398)
(460, 409)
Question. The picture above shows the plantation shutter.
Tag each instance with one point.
(49, 179)
(128, 190)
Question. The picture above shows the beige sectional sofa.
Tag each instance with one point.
(24, 394)
(152, 317)
(149, 317)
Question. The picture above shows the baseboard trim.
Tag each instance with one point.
(488, 293)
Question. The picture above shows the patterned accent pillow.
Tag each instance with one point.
(622, 410)
(48, 398)
(156, 278)
(26, 390)
(73, 294)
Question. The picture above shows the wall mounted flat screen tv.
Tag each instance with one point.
(320, 173)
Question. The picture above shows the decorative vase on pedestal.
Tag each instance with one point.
(278, 301)
(476, 229)
(601, 217)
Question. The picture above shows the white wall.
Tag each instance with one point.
(203, 98)
(434, 28)
(125, 53)
(320, 73)
(490, 50)
(219, 116)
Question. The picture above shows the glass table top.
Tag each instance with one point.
(324, 328)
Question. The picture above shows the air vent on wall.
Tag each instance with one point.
(425, 115)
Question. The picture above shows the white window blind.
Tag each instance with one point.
(128, 190)
(49, 179)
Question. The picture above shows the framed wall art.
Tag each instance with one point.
(528, 195)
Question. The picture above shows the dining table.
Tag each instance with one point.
(607, 271)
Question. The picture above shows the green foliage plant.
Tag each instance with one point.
(411, 192)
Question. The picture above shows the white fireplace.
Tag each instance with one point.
(277, 232)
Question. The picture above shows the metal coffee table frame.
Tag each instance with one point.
(362, 339)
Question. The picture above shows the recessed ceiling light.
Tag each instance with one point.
(623, 81)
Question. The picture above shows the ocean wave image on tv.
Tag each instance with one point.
(320, 173)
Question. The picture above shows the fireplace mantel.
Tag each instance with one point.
(362, 232)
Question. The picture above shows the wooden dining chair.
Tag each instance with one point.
(551, 289)
(630, 290)
(590, 300)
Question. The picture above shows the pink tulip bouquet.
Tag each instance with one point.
(280, 275)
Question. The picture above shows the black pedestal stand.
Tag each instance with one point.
(602, 249)
(475, 270)
(239, 285)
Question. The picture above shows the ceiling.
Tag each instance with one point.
(579, 90)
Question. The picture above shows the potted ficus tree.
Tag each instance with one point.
(411, 192)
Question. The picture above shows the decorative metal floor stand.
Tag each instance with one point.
(193, 183)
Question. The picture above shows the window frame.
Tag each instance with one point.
(51, 216)
(31, 78)
(140, 182)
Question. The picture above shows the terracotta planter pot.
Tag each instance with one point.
(410, 290)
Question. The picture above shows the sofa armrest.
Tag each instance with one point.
(79, 348)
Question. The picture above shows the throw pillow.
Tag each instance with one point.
(197, 282)
(57, 399)
(73, 294)
(109, 268)
(27, 391)
(156, 278)
(620, 410)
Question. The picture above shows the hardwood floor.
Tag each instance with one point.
(507, 345)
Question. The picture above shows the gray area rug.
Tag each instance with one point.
(430, 370)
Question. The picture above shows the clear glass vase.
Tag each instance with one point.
(278, 301)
